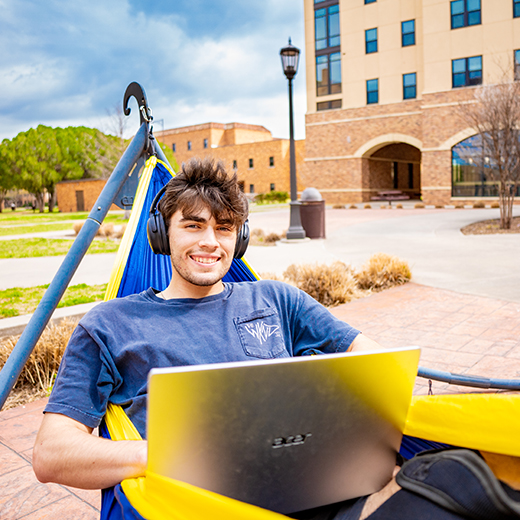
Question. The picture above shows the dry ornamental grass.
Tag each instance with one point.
(38, 374)
(339, 283)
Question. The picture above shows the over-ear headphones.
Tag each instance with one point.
(158, 234)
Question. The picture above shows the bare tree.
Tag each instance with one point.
(117, 124)
(495, 116)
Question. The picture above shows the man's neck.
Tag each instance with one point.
(188, 290)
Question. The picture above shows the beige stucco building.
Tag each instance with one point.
(261, 161)
(384, 80)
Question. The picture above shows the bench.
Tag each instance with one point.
(390, 195)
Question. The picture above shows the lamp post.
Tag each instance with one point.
(290, 55)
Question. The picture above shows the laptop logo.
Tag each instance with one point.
(292, 440)
(261, 331)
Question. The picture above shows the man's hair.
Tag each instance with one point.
(205, 183)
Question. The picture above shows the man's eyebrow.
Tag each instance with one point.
(193, 218)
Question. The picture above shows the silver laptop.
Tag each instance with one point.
(286, 435)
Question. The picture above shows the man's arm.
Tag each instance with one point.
(361, 342)
(65, 452)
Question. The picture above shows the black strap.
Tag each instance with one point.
(460, 481)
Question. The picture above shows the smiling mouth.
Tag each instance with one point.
(205, 260)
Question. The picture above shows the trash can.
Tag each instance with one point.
(312, 212)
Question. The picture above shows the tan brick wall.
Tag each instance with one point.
(66, 194)
(342, 143)
(240, 142)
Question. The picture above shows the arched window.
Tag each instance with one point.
(472, 170)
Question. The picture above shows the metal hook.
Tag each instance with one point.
(135, 90)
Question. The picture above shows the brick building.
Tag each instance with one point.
(261, 161)
(79, 195)
(384, 79)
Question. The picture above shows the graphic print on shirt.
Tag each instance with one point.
(261, 330)
(261, 334)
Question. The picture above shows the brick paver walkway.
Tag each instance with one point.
(457, 333)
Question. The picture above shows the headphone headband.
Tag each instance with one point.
(158, 235)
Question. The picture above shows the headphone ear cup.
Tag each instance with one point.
(157, 234)
(242, 240)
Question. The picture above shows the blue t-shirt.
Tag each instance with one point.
(117, 343)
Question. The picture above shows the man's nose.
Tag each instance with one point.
(209, 238)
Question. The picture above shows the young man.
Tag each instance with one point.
(196, 319)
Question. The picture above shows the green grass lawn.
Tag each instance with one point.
(24, 300)
(23, 221)
(32, 247)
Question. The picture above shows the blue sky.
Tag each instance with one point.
(68, 62)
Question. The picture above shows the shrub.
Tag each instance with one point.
(272, 237)
(439, 206)
(460, 205)
(105, 230)
(272, 196)
(352, 206)
(383, 271)
(38, 374)
(479, 205)
(367, 206)
(77, 227)
(494, 205)
(419, 205)
(329, 284)
(120, 231)
(338, 206)
(399, 206)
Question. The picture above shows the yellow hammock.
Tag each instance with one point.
(486, 422)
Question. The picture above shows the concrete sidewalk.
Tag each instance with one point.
(457, 332)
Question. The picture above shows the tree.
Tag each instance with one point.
(6, 176)
(495, 116)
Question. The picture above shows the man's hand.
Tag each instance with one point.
(67, 453)
(361, 342)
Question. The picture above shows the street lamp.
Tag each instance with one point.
(290, 55)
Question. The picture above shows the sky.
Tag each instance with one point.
(69, 62)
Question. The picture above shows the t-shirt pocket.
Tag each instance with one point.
(261, 334)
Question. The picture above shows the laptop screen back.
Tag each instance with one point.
(286, 435)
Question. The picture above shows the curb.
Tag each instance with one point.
(14, 326)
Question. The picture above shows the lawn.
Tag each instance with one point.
(32, 247)
(24, 300)
(24, 221)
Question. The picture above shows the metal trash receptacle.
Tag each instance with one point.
(312, 212)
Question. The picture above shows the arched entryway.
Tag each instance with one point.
(394, 166)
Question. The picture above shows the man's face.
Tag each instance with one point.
(202, 249)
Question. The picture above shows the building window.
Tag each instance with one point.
(516, 8)
(271, 162)
(250, 163)
(272, 186)
(408, 33)
(174, 148)
(205, 143)
(464, 13)
(372, 91)
(234, 164)
(370, 41)
(328, 74)
(467, 71)
(328, 105)
(471, 172)
(251, 188)
(410, 86)
(517, 65)
(370, 1)
(326, 27)
(189, 145)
